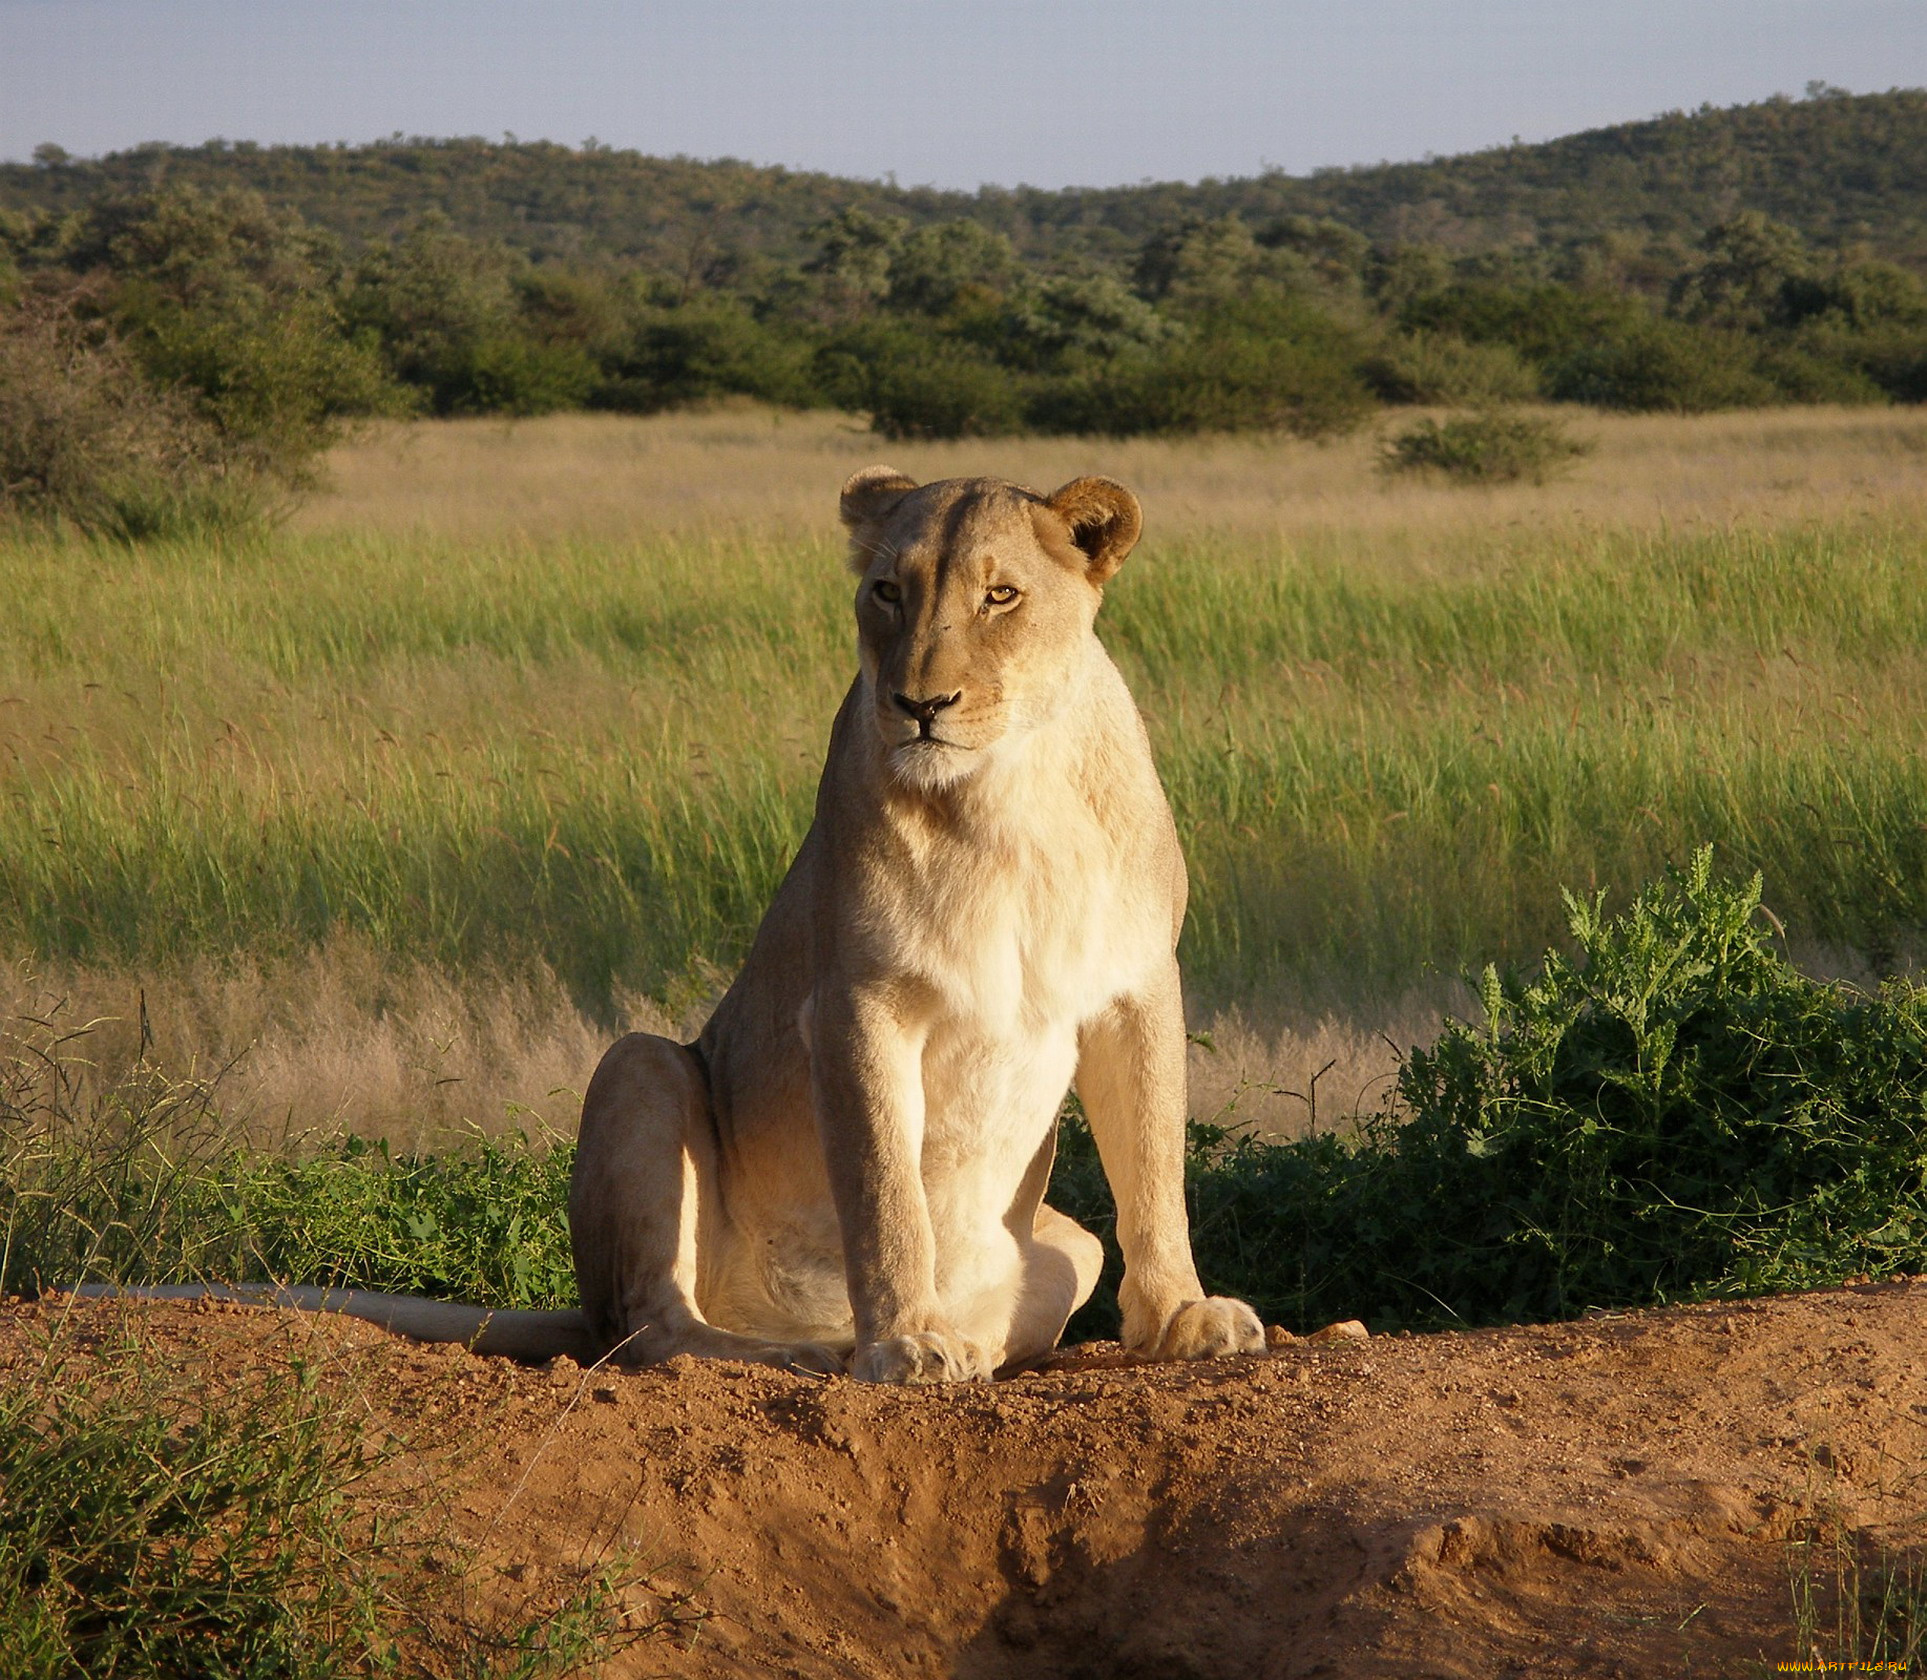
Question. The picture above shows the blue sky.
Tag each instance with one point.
(950, 92)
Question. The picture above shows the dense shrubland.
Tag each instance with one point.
(256, 333)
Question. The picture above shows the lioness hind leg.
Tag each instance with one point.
(1061, 1267)
(642, 1200)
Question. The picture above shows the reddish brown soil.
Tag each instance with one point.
(1604, 1498)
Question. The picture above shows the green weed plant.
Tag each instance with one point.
(140, 1537)
(152, 1530)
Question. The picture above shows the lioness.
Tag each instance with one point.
(848, 1166)
(851, 1159)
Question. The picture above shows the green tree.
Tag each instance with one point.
(448, 312)
(1663, 365)
(854, 251)
(1271, 362)
(709, 348)
(1076, 320)
(1201, 264)
(239, 304)
(936, 270)
(1748, 277)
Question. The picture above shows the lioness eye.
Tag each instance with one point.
(1001, 596)
(888, 591)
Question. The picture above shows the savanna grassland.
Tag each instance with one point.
(383, 820)
(506, 738)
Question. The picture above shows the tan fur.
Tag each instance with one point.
(849, 1164)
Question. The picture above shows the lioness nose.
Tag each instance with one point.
(925, 711)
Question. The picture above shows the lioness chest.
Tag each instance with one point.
(1016, 930)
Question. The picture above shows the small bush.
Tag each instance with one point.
(85, 438)
(1495, 448)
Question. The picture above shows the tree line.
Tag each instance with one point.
(216, 337)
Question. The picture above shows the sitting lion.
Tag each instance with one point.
(851, 1159)
(847, 1168)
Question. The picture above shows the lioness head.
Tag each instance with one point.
(975, 606)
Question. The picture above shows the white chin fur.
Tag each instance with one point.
(928, 766)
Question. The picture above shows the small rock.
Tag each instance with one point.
(1345, 1330)
(1277, 1336)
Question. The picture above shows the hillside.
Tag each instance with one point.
(1840, 168)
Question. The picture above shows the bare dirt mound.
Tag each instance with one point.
(1611, 1497)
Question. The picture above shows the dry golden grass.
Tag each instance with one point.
(339, 1039)
(773, 472)
(342, 1040)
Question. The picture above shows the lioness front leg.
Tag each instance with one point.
(642, 1190)
(1130, 1075)
(867, 1080)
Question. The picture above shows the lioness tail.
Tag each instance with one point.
(515, 1333)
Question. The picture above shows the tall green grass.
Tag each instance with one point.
(602, 755)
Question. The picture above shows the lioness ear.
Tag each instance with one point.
(1104, 519)
(868, 497)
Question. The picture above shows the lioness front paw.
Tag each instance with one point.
(1208, 1329)
(929, 1356)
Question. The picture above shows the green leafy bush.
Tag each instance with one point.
(1673, 1112)
(1493, 448)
